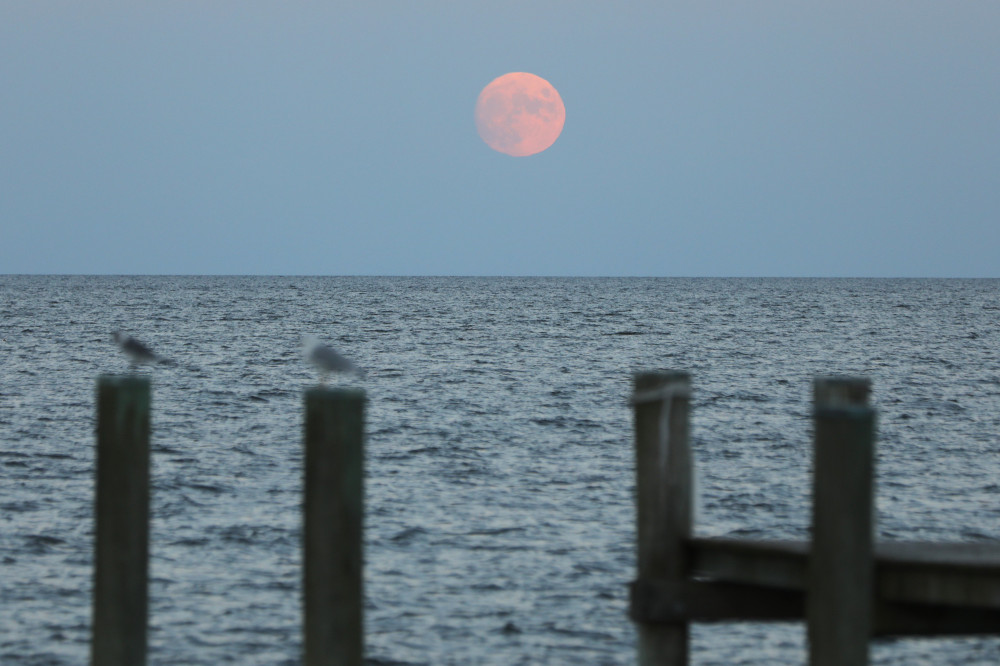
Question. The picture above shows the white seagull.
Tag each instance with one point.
(137, 352)
(328, 360)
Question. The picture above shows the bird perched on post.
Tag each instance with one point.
(328, 360)
(137, 352)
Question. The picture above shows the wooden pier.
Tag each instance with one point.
(845, 585)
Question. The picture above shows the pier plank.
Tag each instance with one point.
(920, 588)
(779, 564)
(956, 574)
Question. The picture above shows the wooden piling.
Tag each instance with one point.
(333, 512)
(121, 534)
(661, 403)
(840, 592)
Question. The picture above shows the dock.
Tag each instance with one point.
(845, 585)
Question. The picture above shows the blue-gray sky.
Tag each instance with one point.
(713, 138)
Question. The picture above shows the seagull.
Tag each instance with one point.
(137, 352)
(328, 360)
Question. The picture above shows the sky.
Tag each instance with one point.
(708, 138)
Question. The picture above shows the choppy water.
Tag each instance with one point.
(499, 468)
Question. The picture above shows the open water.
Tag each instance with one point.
(499, 487)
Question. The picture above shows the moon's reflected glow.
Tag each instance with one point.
(519, 114)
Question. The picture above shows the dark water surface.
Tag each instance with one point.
(499, 468)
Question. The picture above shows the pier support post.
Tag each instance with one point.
(333, 513)
(121, 533)
(663, 486)
(839, 606)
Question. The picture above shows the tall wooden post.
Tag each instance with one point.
(333, 512)
(663, 487)
(121, 532)
(839, 607)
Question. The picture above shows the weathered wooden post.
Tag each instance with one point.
(840, 595)
(663, 487)
(121, 533)
(333, 512)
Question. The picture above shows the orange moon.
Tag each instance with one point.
(519, 114)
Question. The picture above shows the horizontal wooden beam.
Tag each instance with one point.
(654, 602)
(779, 564)
(900, 619)
(920, 588)
(949, 574)
(657, 602)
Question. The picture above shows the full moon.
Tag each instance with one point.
(519, 114)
